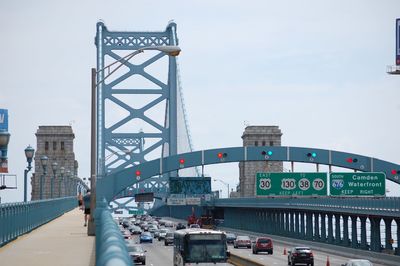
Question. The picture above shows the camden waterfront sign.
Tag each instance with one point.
(357, 184)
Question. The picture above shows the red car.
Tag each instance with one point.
(263, 244)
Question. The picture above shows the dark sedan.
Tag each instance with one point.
(169, 238)
(180, 226)
(135, 230)
(136, 252)
(230, 238)
(301, 255)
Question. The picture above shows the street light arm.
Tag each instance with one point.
(216, 179)
(170, 50)
(121, 60)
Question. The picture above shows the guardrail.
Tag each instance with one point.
(22, 217)
(110, 245)
(242, 261)
(386, 206)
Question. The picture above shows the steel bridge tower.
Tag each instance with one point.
(139, 105)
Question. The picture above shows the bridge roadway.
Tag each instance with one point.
(61, 242)
(64, 242)
(277, 259)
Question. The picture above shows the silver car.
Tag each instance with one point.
(357, 262)
(242, 241)
(162, 234)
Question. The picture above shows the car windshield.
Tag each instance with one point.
(263, 240)
(135, 249)
(206, 251)
(303, 249)
(169, 234)
(230, 236)
(243, 238)
(163, 230)
(146, 234)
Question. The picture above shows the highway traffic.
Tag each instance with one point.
(157, 253)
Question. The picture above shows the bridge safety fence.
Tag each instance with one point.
(110, 244)
(22, 217)
(382, 206)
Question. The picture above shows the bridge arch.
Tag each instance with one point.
(113, 184)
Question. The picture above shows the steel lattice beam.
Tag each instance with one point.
(126, 149)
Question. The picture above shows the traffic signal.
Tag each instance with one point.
(311, 155)
(395, 172)
(351, 160)
(181, 162)
(137, 172)
(222, 155)
(266, 154)
(269, 153)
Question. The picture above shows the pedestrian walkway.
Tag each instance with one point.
(63, 241)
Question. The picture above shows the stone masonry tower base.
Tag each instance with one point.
(258, 136)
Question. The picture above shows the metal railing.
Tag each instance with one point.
(110, 244)
(384, 206)
(22, 217)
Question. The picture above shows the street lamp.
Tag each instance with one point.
(43, 160)
(54, 168)
(226, 184)
(62, 171)
(29, 152)
(168, 49)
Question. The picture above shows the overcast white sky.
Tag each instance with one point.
(314, 68)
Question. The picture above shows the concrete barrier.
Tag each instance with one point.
(241, 261)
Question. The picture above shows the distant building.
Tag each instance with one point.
(57, 143)
(258, 136)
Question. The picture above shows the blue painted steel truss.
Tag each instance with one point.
(117, 148)
(115, 183)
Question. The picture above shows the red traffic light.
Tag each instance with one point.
(395, 172)
(137, 173)
(181, 161)
(351, 160)
(221, 155)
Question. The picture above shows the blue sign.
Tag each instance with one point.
(4, 120)
(398, 42)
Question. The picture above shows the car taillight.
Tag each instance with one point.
(295, 254)
(311, 255)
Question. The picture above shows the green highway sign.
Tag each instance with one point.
(357, 184)
(291, 184)
(136, 212)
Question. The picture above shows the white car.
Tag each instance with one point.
(163, 232)
(358, 262)
(194, 226)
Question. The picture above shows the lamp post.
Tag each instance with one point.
(62, 171)
(171, 51)
(29, 152)
(43, 160)
(67, 181)
(54, 168)
(226, 184)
